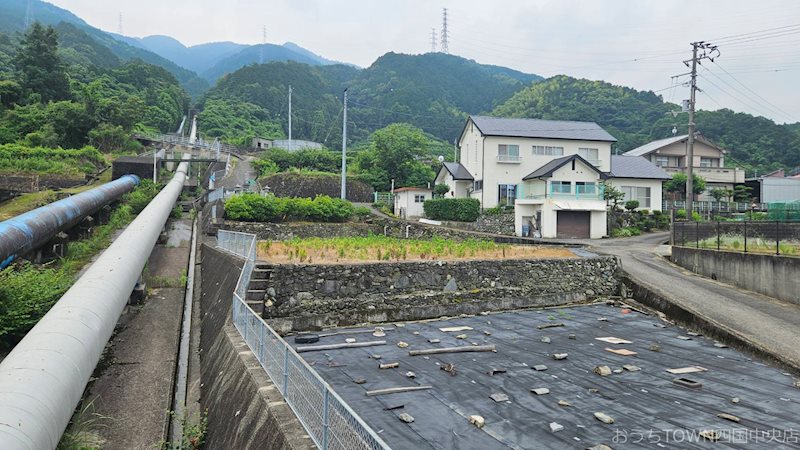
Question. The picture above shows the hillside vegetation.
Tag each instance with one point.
(637, 117)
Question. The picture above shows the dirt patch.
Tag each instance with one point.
(379, 248)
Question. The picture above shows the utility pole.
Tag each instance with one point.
(445, 36)
(290, 117)
(708, 52)
(344, 148)
(433, 40)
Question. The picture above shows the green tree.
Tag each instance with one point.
(613, 195)
(440, 190)
(718, 193)
(38, 65)
(395, 152)
(677, 185)
(742, 193)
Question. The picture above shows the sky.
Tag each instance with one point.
(636, 43)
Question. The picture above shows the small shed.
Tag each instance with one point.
(408, 201)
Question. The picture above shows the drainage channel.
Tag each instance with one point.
(182, 367)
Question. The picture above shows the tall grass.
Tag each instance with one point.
(755, 244)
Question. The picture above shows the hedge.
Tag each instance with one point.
(251, 207)
(456, 209)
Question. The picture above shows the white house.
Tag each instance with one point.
(550, 169)
(709, 161)
(408, 201)
(457, 177)
(638, 179)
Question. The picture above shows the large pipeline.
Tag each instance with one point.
(31, 230)
(43, 378)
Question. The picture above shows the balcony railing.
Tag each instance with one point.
(579, 193)
(509, 158)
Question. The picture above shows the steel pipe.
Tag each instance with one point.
(43, 378)
(31, 230)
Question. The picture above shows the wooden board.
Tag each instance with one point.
(690, 369)
(621, 351)
(614, 340)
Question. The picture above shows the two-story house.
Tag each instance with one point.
(551, 170)
(709, 161)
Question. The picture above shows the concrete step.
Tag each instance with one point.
(258, 284)
(256, 294)
(263, 266)
(256, 306)
(261, 274)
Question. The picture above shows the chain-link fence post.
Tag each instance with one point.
(718, 235)
(745, 236)
(697, 235)
(325, 415)
(286, 372)
(777, 237)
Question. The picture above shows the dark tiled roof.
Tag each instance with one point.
(623, 166)
(537, 128)
(547, 170)
(458, 171)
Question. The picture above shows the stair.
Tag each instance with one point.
(257, 288)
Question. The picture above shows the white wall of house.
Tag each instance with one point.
(409, 203)
(635, 186)
(775, 189)
(481, 156)
(458, 188)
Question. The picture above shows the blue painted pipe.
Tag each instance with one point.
(30, 230)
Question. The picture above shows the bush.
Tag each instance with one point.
(630, 205)
(626, 232)
(681, 214)
(456, 209)
(251, 207)
(140, 197)
(362, 212)
(440, 190)
(496, 211)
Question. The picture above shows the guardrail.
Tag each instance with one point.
(330, 422)
(777, 237)
(215, 145)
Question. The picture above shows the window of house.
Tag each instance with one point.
(508, 152)
(506, 194)
(590, 154)
(561, 187)
(478, 185)
(585, 187)
(419, 198)
(543, 150)
(642, 194)
(662, 161)
(709, 162)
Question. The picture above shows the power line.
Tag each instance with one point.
(433, 40)
(751, 102)
(754, 33)
(775, 107)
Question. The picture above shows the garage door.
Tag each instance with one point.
(573, 224)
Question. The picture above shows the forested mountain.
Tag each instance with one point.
(432, 91)
(12, 20)
(55, 97)
(197, 58)
(254, 54)
(637, 117)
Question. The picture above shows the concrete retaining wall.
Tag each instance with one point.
(303, 296)
(245, 410)
(772, 275)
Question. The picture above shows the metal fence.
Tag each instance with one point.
(330, 422)
(215, 145)
(778, 237)
(714, 207)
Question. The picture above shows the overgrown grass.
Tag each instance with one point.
(83, 432)
(194, 433)
(735, 242)
(18, 158)
(382, 248)
(28, 291)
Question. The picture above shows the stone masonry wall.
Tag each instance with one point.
(487, 223)
(312, 296)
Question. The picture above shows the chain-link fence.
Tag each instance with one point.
(330, 422)
(777, 237)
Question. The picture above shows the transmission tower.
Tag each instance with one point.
(119, 28)
(433, 40)
(263, 44)
(444, 31)
(29, 14)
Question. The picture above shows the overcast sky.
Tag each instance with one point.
(635, 43)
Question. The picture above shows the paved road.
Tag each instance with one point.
(242, 172)
(768, 323)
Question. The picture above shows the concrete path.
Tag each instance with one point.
(134, 388)
(767, 323)
(242, 172)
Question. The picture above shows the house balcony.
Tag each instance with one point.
(509, 159)
(712, 174)
(584, 193)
